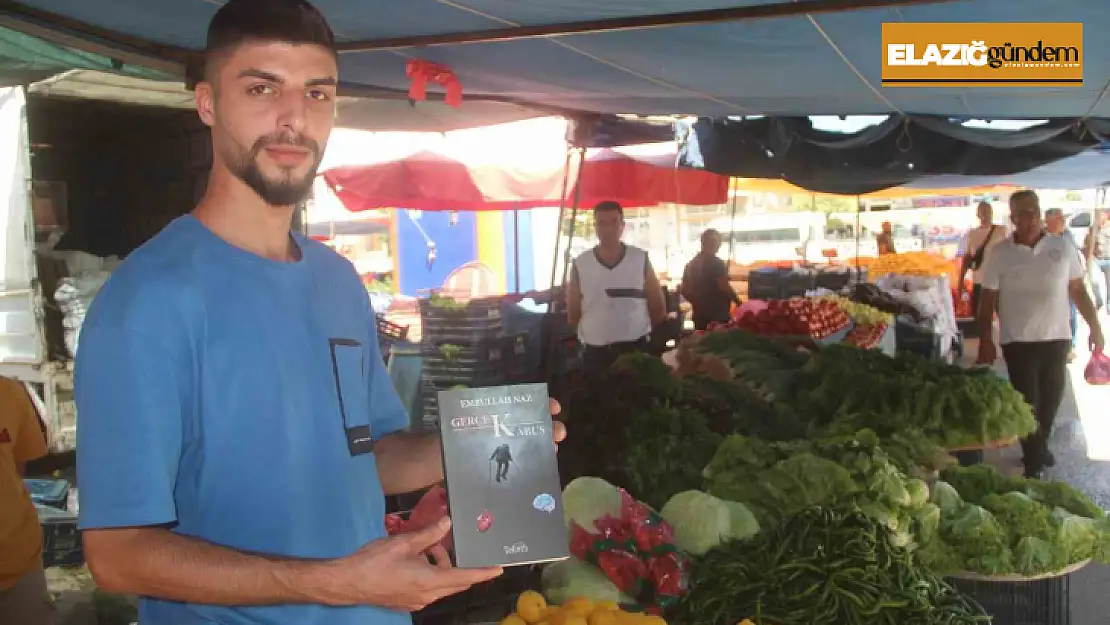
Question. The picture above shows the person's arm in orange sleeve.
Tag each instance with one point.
(29, 443)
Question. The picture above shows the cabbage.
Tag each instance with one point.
(973, 524)
(702, 521)
(890, 485)
(1034, 556)
(927, 522)
(564, 580)
(587, 499)
(1077, 536)
(946, 498)
(919, 493)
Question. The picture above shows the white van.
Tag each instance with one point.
(81, 180)
(771, 237)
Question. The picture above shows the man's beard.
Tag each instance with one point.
(285, 191)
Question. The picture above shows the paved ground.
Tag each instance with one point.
(1081, 444)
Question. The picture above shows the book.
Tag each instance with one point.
(503, 488)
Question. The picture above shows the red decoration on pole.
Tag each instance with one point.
(422, 72)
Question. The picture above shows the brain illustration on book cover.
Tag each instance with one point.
(502, 477)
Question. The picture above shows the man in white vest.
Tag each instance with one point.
(614, 297)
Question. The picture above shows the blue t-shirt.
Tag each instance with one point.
(216, 390)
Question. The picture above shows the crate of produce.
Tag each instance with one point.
(61, 542)
(53, 493)
(437, 309)
(1017, 601)
(483, 364)
(489, 602)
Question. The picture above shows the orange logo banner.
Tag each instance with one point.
(982, 55)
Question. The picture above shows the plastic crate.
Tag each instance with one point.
(476, 311)
(838, 278)
(489, 602)
(798, 282)
(506, 357)
(53, 493)
(915, 340)
(1041, 602)
(765, 283)
(61, 542)
(389, 335)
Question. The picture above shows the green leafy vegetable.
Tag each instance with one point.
(821, 567)
(562, 581)
(588, 499)
(702, 522)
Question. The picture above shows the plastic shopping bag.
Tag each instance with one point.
(1098, 369)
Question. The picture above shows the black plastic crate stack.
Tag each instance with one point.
(460, 346)
(1039, 602)
(489, 602)
(798, 281)
(840, 277)
(389, 334)
(766, 283)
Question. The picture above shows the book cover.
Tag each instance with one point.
(502, 477)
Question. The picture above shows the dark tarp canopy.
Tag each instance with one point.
(893, 153)
(770, 57)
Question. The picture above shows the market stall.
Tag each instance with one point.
(755, 454)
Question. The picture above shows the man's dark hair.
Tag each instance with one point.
(609, 205)
(1024, 194)
(286, 21)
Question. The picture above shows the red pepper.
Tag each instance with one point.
(625, 570)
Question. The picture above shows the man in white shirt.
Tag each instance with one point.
(1030, 280)
(976, 249)
(1055, 223)
(614, 297)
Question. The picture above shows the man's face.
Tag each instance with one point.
(985, 212)
(609, 225)
(1054, 222)
(1025, 213)
(271, 108)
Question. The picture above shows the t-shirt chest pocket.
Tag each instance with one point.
(348, 363)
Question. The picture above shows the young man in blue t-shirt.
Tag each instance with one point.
(238, 428)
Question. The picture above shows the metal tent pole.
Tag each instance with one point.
(733, 187)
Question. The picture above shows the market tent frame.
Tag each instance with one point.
(643, 57)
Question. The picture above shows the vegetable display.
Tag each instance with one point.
(791, 487)
(778, 480)
(982, 522)
(860, 313)
(953, 406)
(634, 548)
(821, 567)
(797, 316)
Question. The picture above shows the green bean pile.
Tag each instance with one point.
(821, 567)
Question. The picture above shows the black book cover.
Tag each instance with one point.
(502, 476)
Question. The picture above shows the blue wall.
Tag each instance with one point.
(527, 263)
(455, 246)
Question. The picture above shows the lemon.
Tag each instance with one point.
(603, 617)
(606, 605)
(573, 619)
(651, 619)
(580, 605)
(530, 606)
(513, 619)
